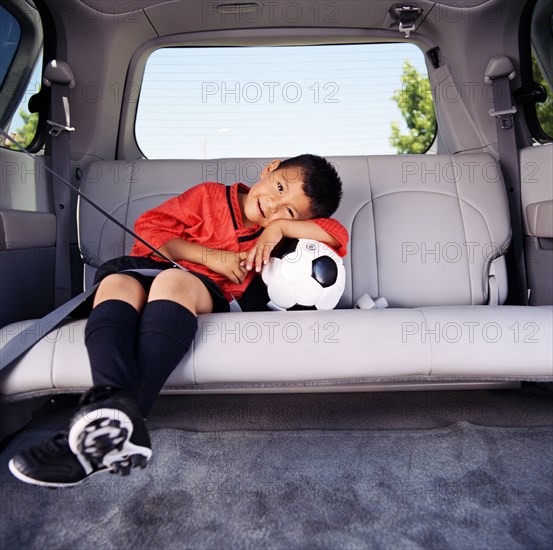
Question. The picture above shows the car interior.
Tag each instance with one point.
(419, 421)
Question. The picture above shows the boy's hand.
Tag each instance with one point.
(228, 264)
(259, 255)
(276, 231)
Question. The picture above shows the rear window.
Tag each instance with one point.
(283, 101)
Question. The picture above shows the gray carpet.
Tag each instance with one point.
(426, 470)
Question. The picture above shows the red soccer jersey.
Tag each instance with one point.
(209, 214)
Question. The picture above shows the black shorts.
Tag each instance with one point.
(220, 303)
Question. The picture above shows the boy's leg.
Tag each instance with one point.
(108, 430)
(110, 333)
(106, 416)
(167, 328)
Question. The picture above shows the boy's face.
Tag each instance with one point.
(277, 195)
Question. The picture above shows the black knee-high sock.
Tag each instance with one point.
(110, 337)
(165, 333)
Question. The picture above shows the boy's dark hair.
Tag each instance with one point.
(321, 183)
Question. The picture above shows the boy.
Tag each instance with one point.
(141, 327)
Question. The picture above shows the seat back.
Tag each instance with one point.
(424, 229)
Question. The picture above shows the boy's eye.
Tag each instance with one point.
(289, 210)
(280, 188)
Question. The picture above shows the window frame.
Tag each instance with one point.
(127, 146)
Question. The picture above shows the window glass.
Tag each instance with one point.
(24, 124)
(284, 101)
(541, 42)
(9, 41)
(544, 111)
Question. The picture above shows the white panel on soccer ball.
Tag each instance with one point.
(296, 269)
(329, 299)
(309, 249)
(308, 292)
(271, 271)
(282, 293)
(316, 249)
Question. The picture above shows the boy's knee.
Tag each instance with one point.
(119, 281)
(181, 287)
(119, 286)
(175, 281)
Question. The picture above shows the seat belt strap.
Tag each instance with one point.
(59, 77)
(26, 339)
(19, 344)
(499, 73)
(94, 205)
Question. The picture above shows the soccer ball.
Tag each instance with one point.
(303, 274)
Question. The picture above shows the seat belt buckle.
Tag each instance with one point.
(367, 302)
(56, 129)
(234, 306)
(505, 117)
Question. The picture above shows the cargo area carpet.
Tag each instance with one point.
(469, 469)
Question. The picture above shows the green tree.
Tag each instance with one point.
(544, 111)
(26, 133)
(415, 103)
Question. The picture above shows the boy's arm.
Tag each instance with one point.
(165, 226)
(224, 262)
(295, 229)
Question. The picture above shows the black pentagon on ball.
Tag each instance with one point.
(285, 246)
(324, 271)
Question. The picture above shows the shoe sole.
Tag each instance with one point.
(53, 484)
(105, 441)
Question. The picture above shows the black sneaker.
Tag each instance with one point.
(52, 464)
(108, 431)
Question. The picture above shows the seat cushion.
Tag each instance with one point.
(265, 351)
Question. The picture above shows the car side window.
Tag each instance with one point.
(24, 124)
(21, 45)
(541, 42)
(11, 35)
(544, 111)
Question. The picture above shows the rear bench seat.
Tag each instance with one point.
(427, 232)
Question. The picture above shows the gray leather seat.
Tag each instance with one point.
(429, 233)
